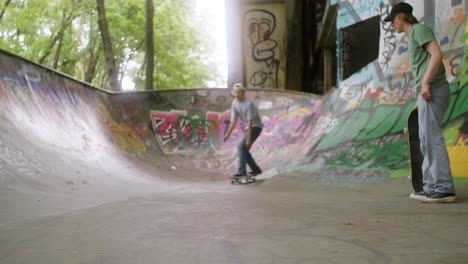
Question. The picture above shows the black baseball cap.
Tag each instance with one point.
(399, 8)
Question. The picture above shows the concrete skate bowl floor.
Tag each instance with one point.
(79, 164)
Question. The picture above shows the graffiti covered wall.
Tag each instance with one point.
(194, 129)
(353, 134)
(263, 38)
(176, 128)
(379, 97)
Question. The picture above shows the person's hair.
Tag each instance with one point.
(238, 86)
(410, 19)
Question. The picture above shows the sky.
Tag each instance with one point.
(213, 12)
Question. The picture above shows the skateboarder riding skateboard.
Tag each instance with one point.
(433, 96)
(244, 109)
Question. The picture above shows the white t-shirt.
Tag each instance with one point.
(246, 110)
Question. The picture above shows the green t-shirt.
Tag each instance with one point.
(418, 36)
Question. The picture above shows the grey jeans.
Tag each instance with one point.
(437, 176)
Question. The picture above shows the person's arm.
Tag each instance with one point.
(248, 142)
(434, 64)
(232, 125)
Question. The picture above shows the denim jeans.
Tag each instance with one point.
(437, 176)
(244, 154)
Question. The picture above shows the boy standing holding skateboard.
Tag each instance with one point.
(244, 109)
(433, 97)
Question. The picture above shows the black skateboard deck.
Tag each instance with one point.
(243, 179)
(416, 157)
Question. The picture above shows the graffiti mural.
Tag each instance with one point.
(354, 134)
(264, 56)
(372, 105)
(178, 133)
(288, 123)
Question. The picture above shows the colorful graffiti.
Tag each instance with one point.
(263, 44)
(287, 123)
(372, 105)
(126, 136)
(178, 133)
(354, 134)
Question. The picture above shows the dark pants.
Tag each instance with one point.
(244, 154)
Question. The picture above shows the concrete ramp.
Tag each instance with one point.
(182, 128)
(51, 121)
(55, 129)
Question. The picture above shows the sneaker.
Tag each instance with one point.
(439, 198)
(238, 175)
(254, 173)
(418, 195)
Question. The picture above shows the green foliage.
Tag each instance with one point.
(30, 29)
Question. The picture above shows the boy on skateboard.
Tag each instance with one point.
(433, 96)
(244, 109)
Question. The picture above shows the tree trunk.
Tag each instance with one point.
(57, 53)
(59, 48)
(149, 45)
(5, 6)
(94, 50)
(113, 71)
(91, 68)
(66, 23)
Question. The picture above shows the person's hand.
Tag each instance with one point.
(225, 137)
(426, 92)
(248, 144)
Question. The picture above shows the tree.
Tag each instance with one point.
(107, 44)
(149, 45)
(67, 20)
(93, 50)
(70, 35)
(60, 45)
(181, 49)
(5, 6)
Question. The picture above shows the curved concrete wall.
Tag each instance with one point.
(351, 135)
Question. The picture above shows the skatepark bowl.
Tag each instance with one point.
(89, 176)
